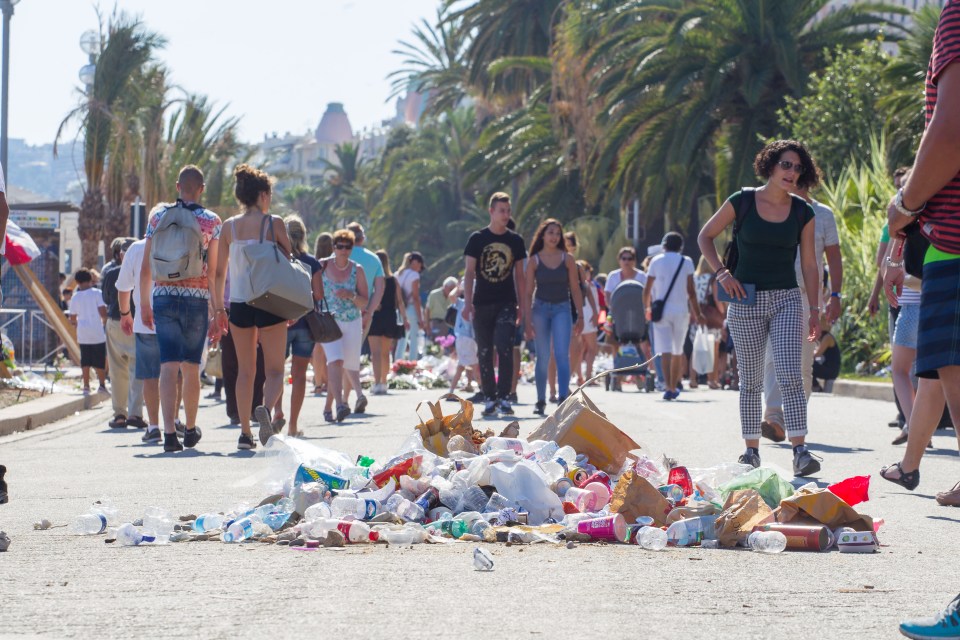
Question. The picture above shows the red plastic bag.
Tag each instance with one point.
(852, 490)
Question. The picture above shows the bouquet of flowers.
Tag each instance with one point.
(405, 367)
(445, 342)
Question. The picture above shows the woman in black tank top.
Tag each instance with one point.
(552, 280)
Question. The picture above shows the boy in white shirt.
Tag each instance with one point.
(88, 313)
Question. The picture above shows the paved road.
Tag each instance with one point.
(54, 584)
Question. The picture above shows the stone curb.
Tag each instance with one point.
(863, 390)
(36, 413)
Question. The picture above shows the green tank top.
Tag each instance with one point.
(768, 250)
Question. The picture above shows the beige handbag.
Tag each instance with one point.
(214, 367)
(276, 284)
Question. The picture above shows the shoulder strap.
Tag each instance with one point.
(674, 281)
(748, 198)
(263, 227)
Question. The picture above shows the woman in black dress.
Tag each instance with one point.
(385, 327)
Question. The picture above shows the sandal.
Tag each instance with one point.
(328, 416)
(908, 481)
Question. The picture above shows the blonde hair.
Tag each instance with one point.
(297, 232)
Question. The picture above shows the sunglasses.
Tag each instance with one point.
(628, 258)
(786, 165)
(343, 247)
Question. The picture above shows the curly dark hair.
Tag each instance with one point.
(769, 156)
(536, 244)
(251, 182)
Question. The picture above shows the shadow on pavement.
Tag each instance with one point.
(943, 518)
(186, 453)
(827, 448)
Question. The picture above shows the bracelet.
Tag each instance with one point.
(722, 268)
(817, 309)
(124, 314)
(895, 265)
(220, 311)
(836, 294)
(721, 277)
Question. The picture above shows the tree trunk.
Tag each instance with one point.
(90, 225)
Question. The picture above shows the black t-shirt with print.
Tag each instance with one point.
(496, 256)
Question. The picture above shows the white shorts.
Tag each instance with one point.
(467, 352)
(670, 333)
(347, 348)
(589, 325)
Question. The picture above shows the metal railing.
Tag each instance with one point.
(40, 316)
(16, 315)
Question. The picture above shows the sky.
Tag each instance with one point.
(275, 63)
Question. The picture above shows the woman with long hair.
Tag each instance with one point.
(385, 326)
(591, 311)
(322, 248)
(770, 225)
(552, 280)
(345, 292)
(299, 342)
(408, 279)
(254, 191)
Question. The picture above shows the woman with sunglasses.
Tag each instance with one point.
(627, 259)
(345, 292)
(773, 224)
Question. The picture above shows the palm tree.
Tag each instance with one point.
(505, 29)
(341, 197)
(129, 47)
(434, 64)
(905, 75)
(690, 88)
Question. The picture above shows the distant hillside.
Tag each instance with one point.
(34, 169)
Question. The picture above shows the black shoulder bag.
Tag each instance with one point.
(656, 307)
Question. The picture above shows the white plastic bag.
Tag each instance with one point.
(703, 351)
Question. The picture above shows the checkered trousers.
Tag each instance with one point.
(778, 316)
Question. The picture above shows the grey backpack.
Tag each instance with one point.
(177, 244)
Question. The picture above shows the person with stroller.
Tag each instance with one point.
(770, 223)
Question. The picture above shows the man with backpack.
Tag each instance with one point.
(175, 292)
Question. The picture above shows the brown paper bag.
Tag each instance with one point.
(579, 423)
(635, 496)
(825, 508)
(438, 430)
(743, 510)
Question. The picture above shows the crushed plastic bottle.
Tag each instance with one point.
(473, 499)
(455, 527)
(482, 560)
(652, 538)
(129, 536)
(238, 530)
(342, 507)
(767, 541)
(689, 532)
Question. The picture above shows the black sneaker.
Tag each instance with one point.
(478, 397)
(805, 463)
(540, 408)
(513, 397)
(179, 427)
(192, 437)
(171, 443)
(152, 435)
(262, 416)
(342, 412)
(119, 422)
(490, 409)
(4, 496)
(246, 443)
(136, 422)
(505, 408)
(749, 458)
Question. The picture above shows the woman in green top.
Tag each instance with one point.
(772, 224)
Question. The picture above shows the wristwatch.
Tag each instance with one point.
(898, 203)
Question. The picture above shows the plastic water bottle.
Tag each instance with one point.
(547, 451)
(355, 531)
(239, 530)
(399, 535)
(473, 499)
(343, 507)
(767, 541)
(652, 538)
(89, 524)
(129, 536)
(482, 560)
(685, 533)
(498, 503)
(403, 508)
(503, 444)
(208, 522)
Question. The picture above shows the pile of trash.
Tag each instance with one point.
(576, 479)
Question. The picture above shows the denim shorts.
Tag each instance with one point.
(299, 342)
(181, 323)
(908, 322)
(148, 357)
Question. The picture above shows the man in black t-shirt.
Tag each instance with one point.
(493, 283)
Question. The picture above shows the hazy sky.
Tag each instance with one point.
(276, 62)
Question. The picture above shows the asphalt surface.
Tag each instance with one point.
(56, 584)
